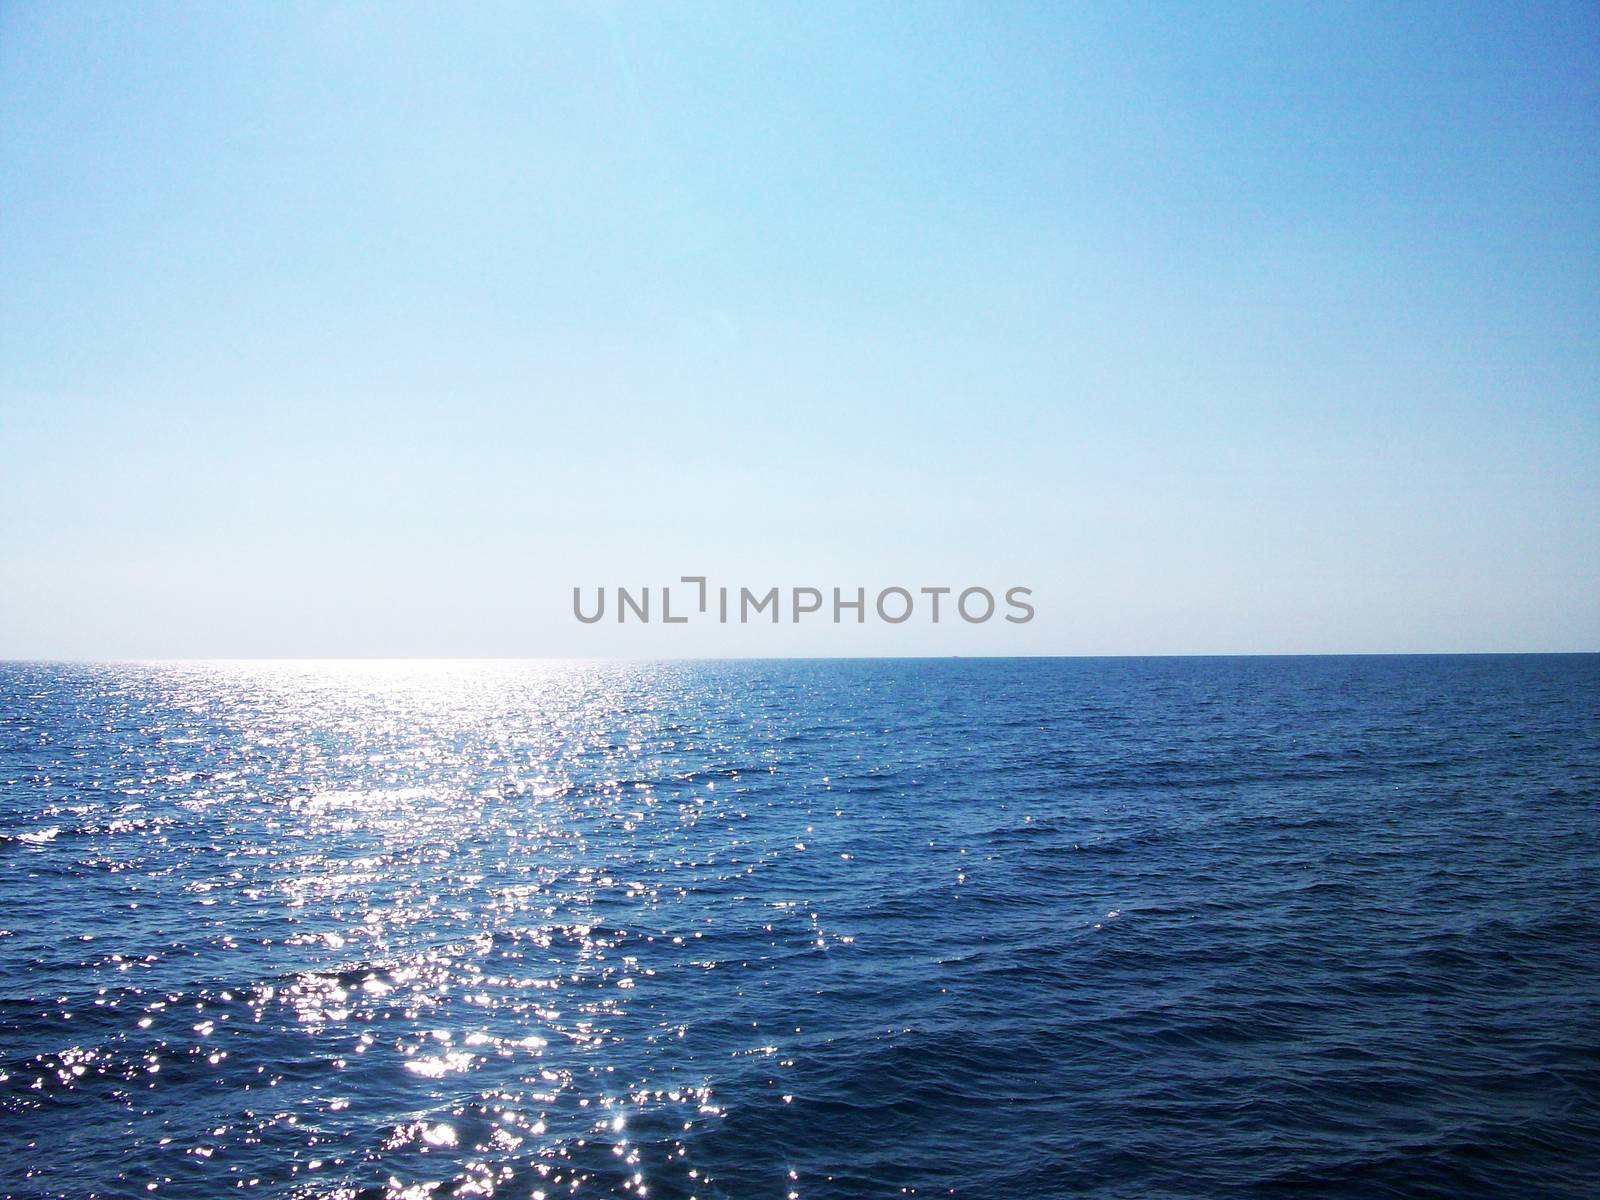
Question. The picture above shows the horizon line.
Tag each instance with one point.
(756, 658)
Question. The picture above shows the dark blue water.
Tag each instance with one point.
(1109, 928)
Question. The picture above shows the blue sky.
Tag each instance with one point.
(360, 329)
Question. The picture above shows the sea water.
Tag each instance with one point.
(1030, 928)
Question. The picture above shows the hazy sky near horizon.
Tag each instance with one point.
(333, 329)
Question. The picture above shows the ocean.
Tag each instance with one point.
(1181, 927)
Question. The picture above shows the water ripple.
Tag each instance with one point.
(1118, 928)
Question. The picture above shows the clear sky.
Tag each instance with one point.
(368, 329)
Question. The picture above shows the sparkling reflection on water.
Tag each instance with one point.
(820, 929)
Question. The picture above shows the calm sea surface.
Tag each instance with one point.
(1040, 928)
